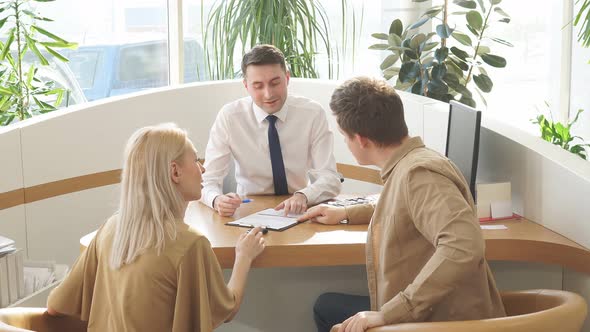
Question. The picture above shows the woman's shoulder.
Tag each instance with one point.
(189, 237)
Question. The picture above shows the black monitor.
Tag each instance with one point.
(463, 140)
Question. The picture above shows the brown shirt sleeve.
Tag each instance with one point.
(74, 295)
(359, 214)
(445, 218)
(203, 300)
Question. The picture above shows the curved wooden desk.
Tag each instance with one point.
(310, 244)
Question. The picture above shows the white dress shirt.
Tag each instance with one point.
(241, 131)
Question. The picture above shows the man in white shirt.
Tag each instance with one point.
(277, 141)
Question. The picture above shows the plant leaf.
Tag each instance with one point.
(409, 71)
(382, 36)
(432, 12)
(56, 54)
(417, 40)
(48, 34)
(483, 50)
(7, 45)
(494, 60)
(467, 101)
(419, 23)
(459, 53)
(31, 44)
(437, 87)
(389, 61)
(462, 38)
(503, 42)
(483, 82)
(441, 54)
(3, 21)
(396, 27)
(379, 47)
(501, 12)
(469, 4)
(429, 46)
(474, 19)
(444, 31)
(394, 40)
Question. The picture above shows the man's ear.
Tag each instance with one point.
(361, 140)
(175, 172)
(288, 76)
(245, 83)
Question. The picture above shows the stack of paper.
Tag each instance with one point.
(6, 245)
(38, 275)
(11, 272)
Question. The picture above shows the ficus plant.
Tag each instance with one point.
(560, 134)
(450, 62)
(23, 92)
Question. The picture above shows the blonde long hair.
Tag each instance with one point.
(150, 203)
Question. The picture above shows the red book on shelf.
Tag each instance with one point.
(490, 219)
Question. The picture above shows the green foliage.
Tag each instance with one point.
(23, 93)
(429, 67)
(559, 134)
(299, 28)
(583, 18)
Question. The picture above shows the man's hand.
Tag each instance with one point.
(296, 204)
(227, 204)
(362, 321)
(324, 214)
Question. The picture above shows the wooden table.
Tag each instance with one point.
(311, 244)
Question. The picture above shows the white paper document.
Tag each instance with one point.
(492, 227)
(501, 209)
(269, 218)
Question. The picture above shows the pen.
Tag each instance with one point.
(264, 229)
(247, 200)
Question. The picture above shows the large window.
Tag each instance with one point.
(124, 47)
(123, 44)
(579, 97)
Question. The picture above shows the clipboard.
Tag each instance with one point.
(269, 218)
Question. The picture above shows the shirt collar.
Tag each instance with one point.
(406, 147)
(261, 115)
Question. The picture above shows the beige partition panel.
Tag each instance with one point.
(12, 212)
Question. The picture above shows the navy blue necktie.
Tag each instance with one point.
(276, 158)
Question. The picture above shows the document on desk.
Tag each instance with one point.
(269, 218)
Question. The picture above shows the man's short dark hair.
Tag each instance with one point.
(370, 108)
(263, 54)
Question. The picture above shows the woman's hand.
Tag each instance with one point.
(250, 244)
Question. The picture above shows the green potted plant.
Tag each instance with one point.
(427, 65)
(560, 134)
(23, 92)
(299, 28)
(553, 131)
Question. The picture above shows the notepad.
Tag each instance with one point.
(269, 218)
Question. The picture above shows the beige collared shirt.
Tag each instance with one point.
(425, 249)
(182, 289)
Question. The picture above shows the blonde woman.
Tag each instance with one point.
(146, 270)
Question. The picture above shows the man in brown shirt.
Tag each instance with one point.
(425, 250)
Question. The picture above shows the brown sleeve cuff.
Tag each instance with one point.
(396, 311)
(359, 214)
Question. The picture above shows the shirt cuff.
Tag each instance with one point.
(359, 214)
(209, 196)
(396, 311)
(309, 194)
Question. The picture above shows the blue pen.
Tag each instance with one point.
(247, 200)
